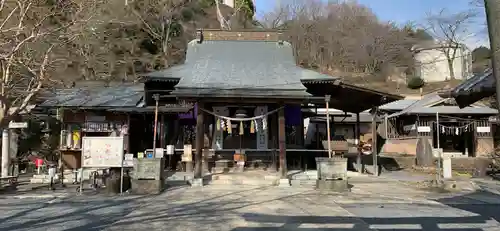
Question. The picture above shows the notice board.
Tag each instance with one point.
(102, 152)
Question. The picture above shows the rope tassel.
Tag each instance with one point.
(252, 126)
(242, 131)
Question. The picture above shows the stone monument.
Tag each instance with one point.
(332, 174)
(424, 153)
(148, 177)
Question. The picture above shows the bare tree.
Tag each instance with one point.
(163, 13)
(241, 17)
(276, 18)
(31, 35)
(127, 40)
(451, 30)
(341, 37)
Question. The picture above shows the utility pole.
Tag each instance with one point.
(492, 8)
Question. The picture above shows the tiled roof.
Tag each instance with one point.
(429, 104)
(114, 96)
(398, 105)
(239, 61)
(241, 65)
(476, 88)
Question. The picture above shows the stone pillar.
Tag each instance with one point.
(148, 177)
(200, 138)
(5, 153)
(282, 143)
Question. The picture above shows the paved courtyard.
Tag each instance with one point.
(370, 206)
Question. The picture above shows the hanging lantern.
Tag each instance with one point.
(240, 113)
(46, 126)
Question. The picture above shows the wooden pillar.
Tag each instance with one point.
(206, 149)
(200, 135)
(272, 125)
(127, 137)
(492, 10)
(357, 141)
(162, 131)
(318, 139)
(374, 142)
(301, 131)
(282, 142)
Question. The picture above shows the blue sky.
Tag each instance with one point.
(398, 11)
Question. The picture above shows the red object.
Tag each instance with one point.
(38, 162)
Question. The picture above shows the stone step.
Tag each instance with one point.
(303, 183)
(41, 181)
(304, 177)
(244, 177)
(251, 182)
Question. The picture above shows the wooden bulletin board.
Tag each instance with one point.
(102, 152)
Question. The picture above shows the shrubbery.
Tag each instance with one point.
(415, 83)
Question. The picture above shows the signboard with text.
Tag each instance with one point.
(102, 152)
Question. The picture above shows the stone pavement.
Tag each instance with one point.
(489, 185)
(370, 206)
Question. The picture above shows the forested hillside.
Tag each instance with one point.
(48, 43)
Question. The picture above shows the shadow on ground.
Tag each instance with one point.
(82, 214)
(473, 212)
(485, 217)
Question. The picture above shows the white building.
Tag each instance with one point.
(231, 3)
(432, 64)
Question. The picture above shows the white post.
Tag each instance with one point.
(437, 146)
(5, 153)
(447, 171)
(327, 100)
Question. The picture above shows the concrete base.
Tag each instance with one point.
(147, 186)
(332, 185)
(196, 182)
(189, 166)
(284, 183)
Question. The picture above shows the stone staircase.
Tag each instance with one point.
(307, 179)
(251, 178)
(245, 178)
(302, 179)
